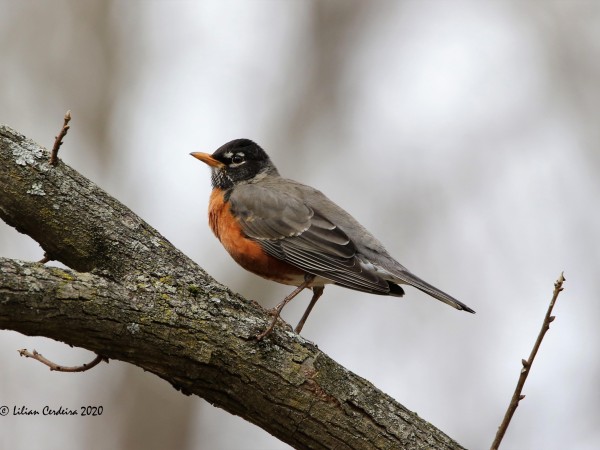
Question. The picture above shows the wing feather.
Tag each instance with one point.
(288, 229)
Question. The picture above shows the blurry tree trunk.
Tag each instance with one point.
(132, 296)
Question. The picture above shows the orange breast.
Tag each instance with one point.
(246, 252)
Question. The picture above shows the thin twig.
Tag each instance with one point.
(53, 366)
(58, 140)
(45, 259)
(517, 396)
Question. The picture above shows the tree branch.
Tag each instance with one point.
(59, 368)
(132, 296)
(59, 138)
(517, 395)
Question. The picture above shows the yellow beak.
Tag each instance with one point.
(207, 159)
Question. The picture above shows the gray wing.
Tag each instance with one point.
(290, 230)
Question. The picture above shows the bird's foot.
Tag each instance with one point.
(275, 313)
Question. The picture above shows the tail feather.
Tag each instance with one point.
(413, 280)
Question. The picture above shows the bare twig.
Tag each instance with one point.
(45, 259)
(59, 138)
(53, 366)
(517, 396)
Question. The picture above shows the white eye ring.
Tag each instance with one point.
(237, 159)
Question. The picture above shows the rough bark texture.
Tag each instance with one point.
(132, 296)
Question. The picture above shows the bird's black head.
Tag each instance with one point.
(238, 161)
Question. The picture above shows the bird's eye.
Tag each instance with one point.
(237, 159)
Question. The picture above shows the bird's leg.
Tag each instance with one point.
(277, 310)
(317, 292)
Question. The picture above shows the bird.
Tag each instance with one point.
(291, 233)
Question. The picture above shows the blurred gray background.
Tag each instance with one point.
(465, 135)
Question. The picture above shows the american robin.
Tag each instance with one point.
(291, 233)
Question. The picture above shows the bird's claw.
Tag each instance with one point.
(275, 314)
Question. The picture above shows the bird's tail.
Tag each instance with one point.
(409, 278)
